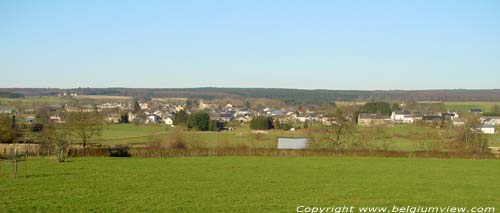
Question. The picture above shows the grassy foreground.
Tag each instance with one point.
(250, 184)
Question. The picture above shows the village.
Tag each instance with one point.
(157, 112)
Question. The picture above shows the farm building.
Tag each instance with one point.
(459, 122)
(293, 143)
(487, 129)
(492, 121)
(366, 119)
(475, 110)
(402, 117)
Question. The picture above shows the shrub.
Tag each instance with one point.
(119, 151)
(174, 141)
(199, 121)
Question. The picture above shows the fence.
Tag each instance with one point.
(145, 152)
(221, 152)
(6, 150)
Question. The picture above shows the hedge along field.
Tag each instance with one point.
(247, 184)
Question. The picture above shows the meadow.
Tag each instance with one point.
(465, 106)
(130, 133)
(246, 184)
(402, 137)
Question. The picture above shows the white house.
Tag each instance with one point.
(30, 119)
(55, 119)
(169, 121)
(491, 121)
(144, 106)
(408, 119)
(402, 117)
(458, 122)
(486, 129)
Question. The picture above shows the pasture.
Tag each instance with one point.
(465, 106)
(400, 137)
(246, 184)
(130, 133)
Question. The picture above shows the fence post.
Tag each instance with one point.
(25, 164)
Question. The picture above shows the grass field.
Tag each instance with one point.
(130, 133)
(247, 184)
(403, 137)
(33, 100)
(465, 106)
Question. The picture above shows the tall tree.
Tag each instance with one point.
(247, 104)
(180, 118)
(199, 121)
(137, 107)
(261, 123)
(8, 130)
(495, 109)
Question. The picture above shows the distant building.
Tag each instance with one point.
(293, 143)
(402, 117)
(486, 129)
(55, 119)
(366, 119)
(432, 118)
(168, 121)
(458, 122)
(450, 115)
(491, 121)
(475, 110)
(30, 119)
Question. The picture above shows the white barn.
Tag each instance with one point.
(486, 129)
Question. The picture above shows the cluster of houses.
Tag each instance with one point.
(488, 123)
(158, 112)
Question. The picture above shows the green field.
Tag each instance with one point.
(130, 133)
(402, 137)
(465, 106)
(34, 100)
(247, 184)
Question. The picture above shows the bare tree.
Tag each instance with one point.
(87, 126)
(339, 131)
(58, 135)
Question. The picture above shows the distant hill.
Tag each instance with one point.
(299, 95)
(4, 94)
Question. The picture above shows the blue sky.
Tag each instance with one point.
(368, 45)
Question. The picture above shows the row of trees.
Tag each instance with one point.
(342, 134)
(261, 123)
(199, 121)
(78, 127)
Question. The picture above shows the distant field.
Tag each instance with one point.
(183, 100)
(402, 137)
(247, 184)
(130, 133)
(465, 106)
(105, 97)
(32, 100)
(27, 101)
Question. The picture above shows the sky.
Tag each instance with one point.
(308, 44)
